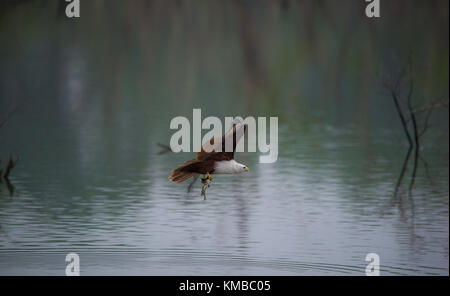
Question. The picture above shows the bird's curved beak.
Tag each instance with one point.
(247, 169)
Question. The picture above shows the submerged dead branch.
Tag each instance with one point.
(394, 88)
(10, 187)
(10, 165)
(414, 123)
(442, 104)
(165, 149)
(419, 123)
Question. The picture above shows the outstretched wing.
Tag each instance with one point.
(219, 144)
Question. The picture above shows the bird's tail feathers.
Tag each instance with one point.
(182, 173)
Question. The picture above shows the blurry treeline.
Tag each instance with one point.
(308, 60)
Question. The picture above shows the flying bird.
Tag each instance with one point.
(217, 161)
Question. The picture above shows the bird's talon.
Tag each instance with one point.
(206, 180)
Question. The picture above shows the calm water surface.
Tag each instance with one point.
(318, 210)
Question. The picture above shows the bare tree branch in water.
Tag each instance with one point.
(165, 149)
(11, 162)
(414, 123)
(9, 115)
(394, 86)
(10, 187)
(10, 165)
(441, 104)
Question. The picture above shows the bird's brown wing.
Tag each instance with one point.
(233, 134)
(203, 154)
(192, 168)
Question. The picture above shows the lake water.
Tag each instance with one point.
(97, 94)
(318, 210)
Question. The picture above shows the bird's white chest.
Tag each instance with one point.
(225, 167)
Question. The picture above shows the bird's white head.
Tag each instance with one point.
(229, 167)
(240, 168)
